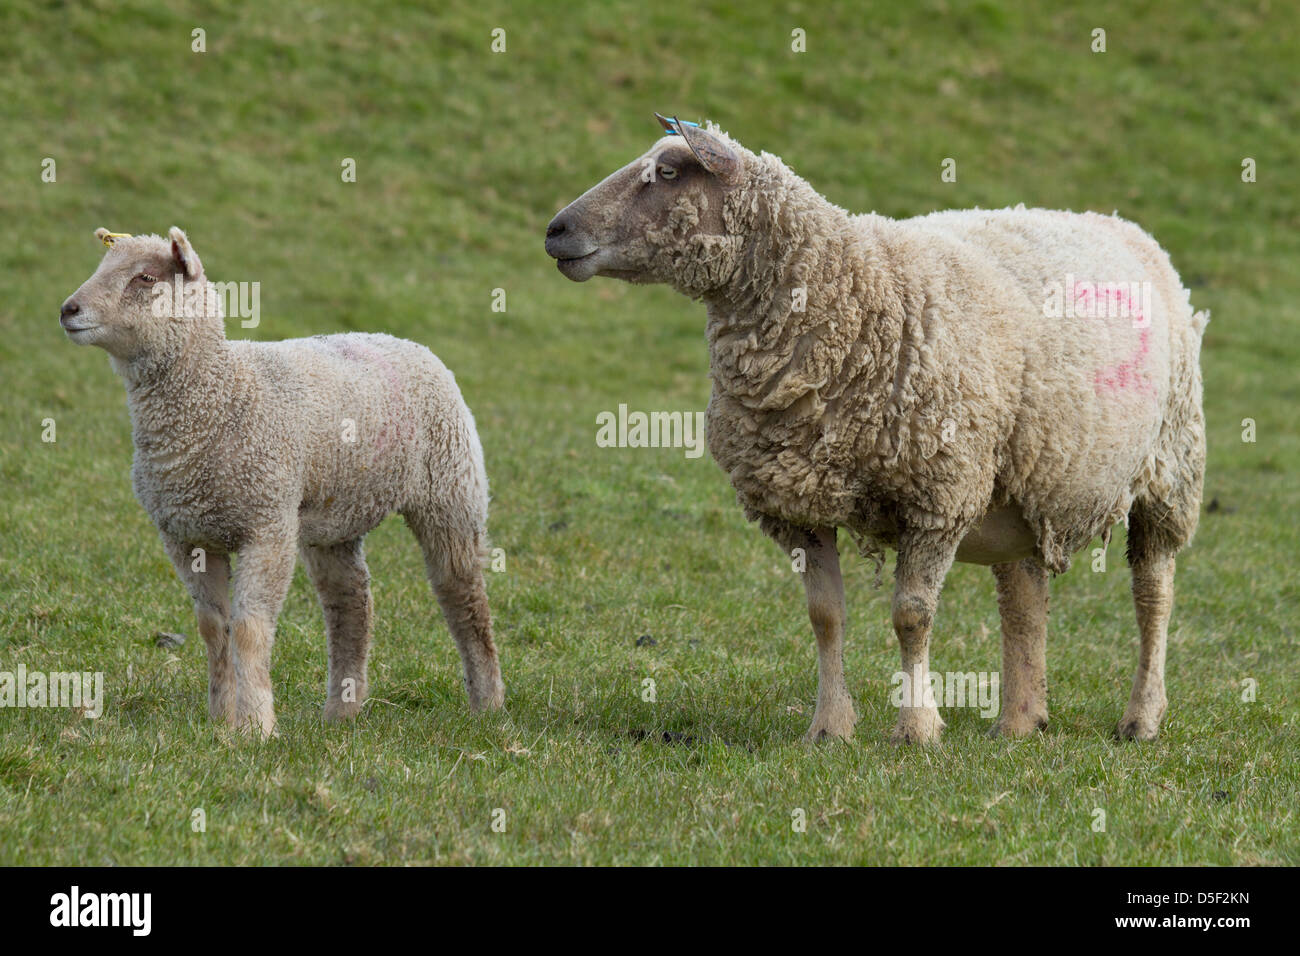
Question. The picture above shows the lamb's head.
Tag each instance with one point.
(660, 218)
(129, 307)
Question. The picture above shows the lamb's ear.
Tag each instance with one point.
(183, 254)
(101, 234)
(714, 155)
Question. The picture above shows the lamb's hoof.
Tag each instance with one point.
(1021, 725)
(259, 731)
(258, 725)
(492, 700)
(337, 709)
(222, 714)
(917, 727)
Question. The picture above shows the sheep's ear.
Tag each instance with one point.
(714, 155)
(183, 254)
(101, 234)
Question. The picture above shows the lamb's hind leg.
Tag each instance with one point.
(1022, 603)
(343, 585)
(924, 557)
(453, 560)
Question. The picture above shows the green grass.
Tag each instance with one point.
(462, 157)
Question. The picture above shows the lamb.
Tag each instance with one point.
(260, 449)
(942, 386)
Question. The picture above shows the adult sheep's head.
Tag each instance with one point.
(130, 306)
(661, 218)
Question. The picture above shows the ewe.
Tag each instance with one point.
(942, 386)
(262, 449)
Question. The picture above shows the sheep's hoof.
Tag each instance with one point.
(1142, 722)
(917, 727)
(1023, 725)
(1141, 727)
(337, 709)
(822, 733)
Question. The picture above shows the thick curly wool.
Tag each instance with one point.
(268, 449)
(327, 435)
(991, 387)
(922, 381)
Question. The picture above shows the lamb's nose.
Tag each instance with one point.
(69, 308)
(555, 228)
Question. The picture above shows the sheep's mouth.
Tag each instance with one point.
(572, 266)
(74, 329)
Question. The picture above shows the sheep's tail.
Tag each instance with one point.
(1199, 321)
(1167, 509)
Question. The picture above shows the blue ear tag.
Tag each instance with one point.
(668, 123)
(673, 132)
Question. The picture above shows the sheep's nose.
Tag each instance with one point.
(556, 227)
(69, 308)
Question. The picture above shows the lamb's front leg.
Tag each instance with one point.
(824, 586)
(262, 576)
(924, 557)
(207, 578)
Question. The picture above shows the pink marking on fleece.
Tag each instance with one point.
(1130, 374)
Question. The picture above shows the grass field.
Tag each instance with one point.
(462, 157)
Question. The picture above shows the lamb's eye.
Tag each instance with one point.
(146, 278)
(667, 172)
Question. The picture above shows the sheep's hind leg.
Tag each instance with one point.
(834, 716)
(924, 557)
(262, 575)
(452, 558)
(342, 583)
(1153, 598)
(209, 586)
(1022, 603)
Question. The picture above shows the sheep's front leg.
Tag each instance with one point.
(1022, 604)
(262, 576)
(924, 557)
(824, 586)
(207, 577)
(343, 584)
(1153, 597)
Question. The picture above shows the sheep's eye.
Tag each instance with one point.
(146, 277)
(667, 172)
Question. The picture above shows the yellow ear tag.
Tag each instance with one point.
(112, 237)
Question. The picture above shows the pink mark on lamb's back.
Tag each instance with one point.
(1129, 375)
(397, 426)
